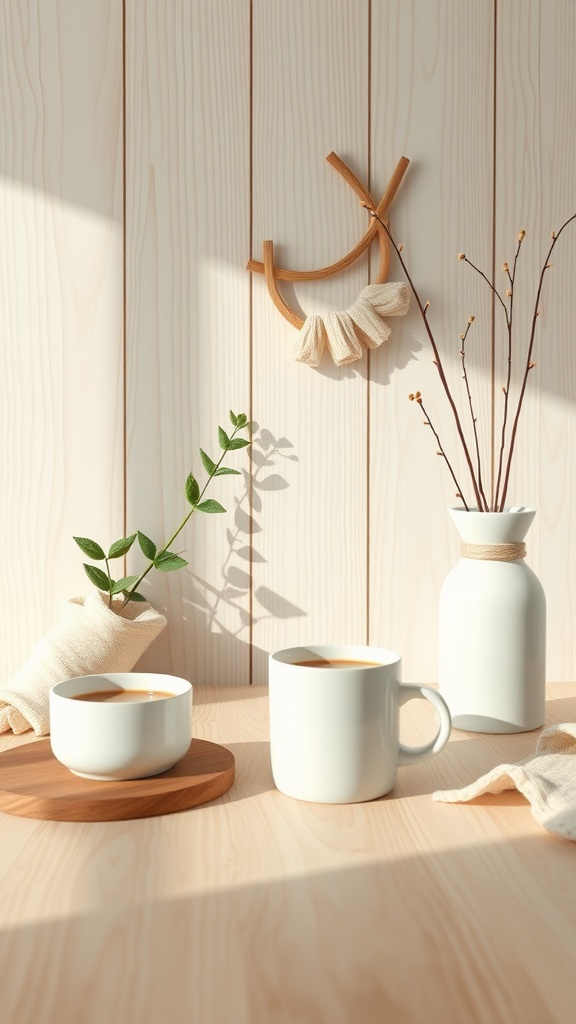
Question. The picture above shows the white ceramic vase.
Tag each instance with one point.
(492, 627)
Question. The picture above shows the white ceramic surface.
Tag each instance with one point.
(334, 732)
(114, 741)
(492, 631)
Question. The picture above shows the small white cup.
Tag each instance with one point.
(112, 741)
(334, 732)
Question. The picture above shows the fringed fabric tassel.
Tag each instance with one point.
(344, 334)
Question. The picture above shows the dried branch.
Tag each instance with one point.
(417, 397)
(529, 361)
(437, 358)
(506, 388)
(471, 407)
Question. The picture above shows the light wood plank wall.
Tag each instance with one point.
(130, 325)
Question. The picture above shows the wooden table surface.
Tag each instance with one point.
(259, 909)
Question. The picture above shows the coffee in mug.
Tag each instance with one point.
(336, 663)
(334, 722)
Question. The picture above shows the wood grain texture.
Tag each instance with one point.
(33, 784)
(188, 138)
(536, 151)
(431, 99)
(258, 908)
(232, 107)
(60, 304)
(310, 97)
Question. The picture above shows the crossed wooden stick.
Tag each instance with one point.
(273, 274)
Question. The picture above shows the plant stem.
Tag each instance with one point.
(489, 283)
(168, 543)
(529, 363)
(428, 422)
(437, 359)
(506, 388)
(472, 416)
(109, 574)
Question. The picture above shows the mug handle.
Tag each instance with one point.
(414, 755)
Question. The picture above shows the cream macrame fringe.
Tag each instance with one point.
(343, 334)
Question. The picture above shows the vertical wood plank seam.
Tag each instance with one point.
(123, 326)
(368, 364)
(250, 328)
(493, 254)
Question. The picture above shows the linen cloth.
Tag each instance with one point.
(89, 638)
(547, 778)
(343, 334)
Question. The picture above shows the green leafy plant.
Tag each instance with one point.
(163, 558)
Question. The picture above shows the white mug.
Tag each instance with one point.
(334, 731)
(109, 741)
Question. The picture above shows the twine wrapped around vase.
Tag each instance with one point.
(344, 334)
(89, 638)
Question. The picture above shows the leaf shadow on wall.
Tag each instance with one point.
(234, 590)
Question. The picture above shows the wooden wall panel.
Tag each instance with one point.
(188, 202)
(310, 97)
(232, 107)
(60, 304)
(432, 82)
(536, 154)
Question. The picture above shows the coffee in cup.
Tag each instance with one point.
(123, 725)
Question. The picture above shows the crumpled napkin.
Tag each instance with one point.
(547, 778)
(89, 638)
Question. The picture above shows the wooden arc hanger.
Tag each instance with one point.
(273, 274)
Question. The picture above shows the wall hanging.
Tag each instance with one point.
(344, 334)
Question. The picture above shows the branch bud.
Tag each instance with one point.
(461, 255)
(522, 235)
(505, 266)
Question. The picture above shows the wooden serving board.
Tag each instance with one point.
(34, 784)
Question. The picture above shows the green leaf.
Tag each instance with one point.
(97, 577)
(233, 419)
(90, 548)
(192, 490)
(209, 466)
(210, 506)
(135, 596)
(147, 546)
(238, 442)
(120, 547)
(224, 471)
(169, 562)
(123, 584)
(223, 439)
(241, 420)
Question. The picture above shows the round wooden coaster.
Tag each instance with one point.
(34, 784)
